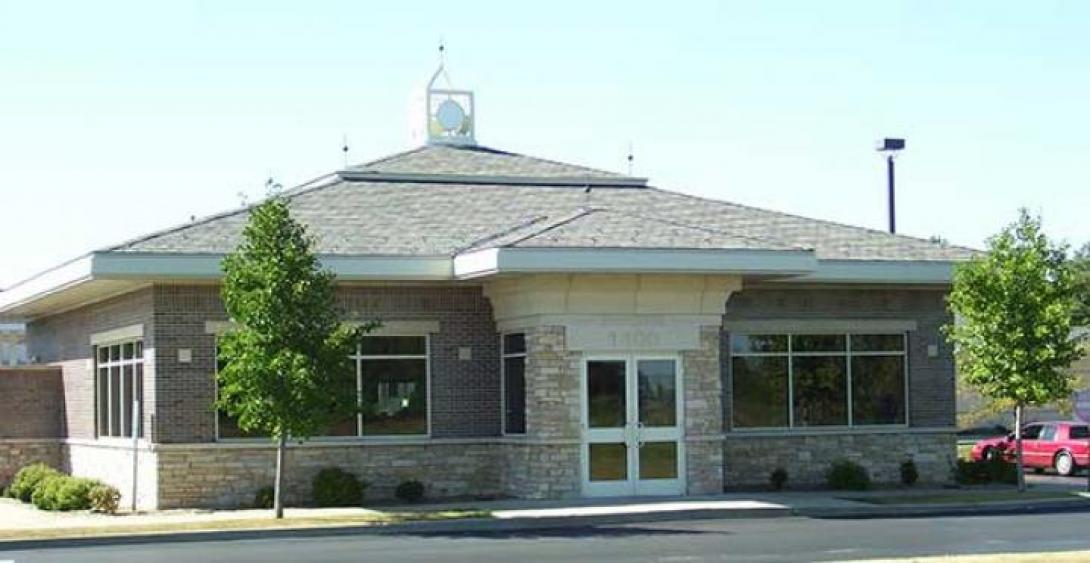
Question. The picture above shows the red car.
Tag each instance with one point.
(1063, 446)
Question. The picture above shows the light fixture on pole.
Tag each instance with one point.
(891, 147)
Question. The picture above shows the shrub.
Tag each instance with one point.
(909, 473)
(845, 475)
(27, 480)
(64, 492)
(778, 479)
(264, 497)
(336, 487)
(986, 471)
(104, 498)
(410, 491)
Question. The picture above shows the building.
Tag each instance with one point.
(549, 330)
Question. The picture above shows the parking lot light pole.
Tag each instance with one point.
(891, 147)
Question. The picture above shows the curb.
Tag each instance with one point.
(466, 526)
(932, 511)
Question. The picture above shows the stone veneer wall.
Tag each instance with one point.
(546, 464)
(228, 476)
(702, 385)
(750, 459)
(18, 452)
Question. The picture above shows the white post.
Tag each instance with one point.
(135, 446)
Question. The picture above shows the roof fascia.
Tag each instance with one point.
(142, 265)
(581, 181)
(491, 261)
(937, 272)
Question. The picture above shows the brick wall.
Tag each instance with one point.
(464, 398)
(930, 380)
(31, 401)
(64, 340)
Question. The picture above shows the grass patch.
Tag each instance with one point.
(269, 523)
(973, 497)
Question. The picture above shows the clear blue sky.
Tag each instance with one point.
(117, 118)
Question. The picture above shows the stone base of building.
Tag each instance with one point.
(541, 471)
(750, 459)
(16, 453)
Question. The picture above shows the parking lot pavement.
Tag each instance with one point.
(1050, 480)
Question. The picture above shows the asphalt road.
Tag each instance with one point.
(776, 539)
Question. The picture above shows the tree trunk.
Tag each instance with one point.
(278, 495)
(1018, 448)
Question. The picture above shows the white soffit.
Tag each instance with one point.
(628, 260)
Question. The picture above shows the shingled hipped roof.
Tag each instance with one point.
(457, 198)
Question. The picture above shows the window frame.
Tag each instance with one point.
(504, 355)
(359, 357)
(848, 354)
(140, 360)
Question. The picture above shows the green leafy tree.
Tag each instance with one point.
(1082, 272)
(287, 371)
(1014, 310)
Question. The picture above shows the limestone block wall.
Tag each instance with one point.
(228, 476)
(541, 470)
(749, 459)
(547, 465)
(16, 453)
(703, 414)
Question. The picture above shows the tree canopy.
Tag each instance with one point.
(287, 370)
(1015, 309)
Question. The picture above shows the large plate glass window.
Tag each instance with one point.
(514, 383)
(393, 375)
(806, 380)
(119, 381)
(391, 383)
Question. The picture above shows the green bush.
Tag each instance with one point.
(909, 473)
(336, 487)
(264, 497)
(104, 498)
(778, 479)
(986, 471)
(64, 492)
(845, 475)
(410, 491)
(27, 480)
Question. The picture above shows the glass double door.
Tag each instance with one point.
(632, 426)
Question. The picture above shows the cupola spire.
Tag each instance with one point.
(448, 113)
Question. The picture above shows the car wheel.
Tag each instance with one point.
(1064, 464)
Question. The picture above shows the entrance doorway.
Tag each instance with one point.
(632, 426)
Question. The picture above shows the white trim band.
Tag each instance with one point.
(130, 332)
(820, 326)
